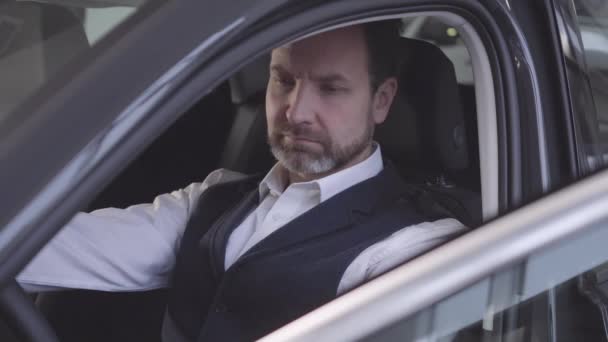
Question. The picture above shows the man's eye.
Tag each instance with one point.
(330, 88)
(283, 82)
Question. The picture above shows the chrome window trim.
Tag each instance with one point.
(454, 266)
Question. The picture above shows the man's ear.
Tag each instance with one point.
(383, 98)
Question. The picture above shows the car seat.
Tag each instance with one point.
(246, 149)
(426, 132)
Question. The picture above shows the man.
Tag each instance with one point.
(246, 255)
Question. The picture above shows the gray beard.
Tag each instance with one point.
(303, 162)
(307, 163)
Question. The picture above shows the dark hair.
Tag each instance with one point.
(383, 40)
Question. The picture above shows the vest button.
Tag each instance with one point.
(221, 308)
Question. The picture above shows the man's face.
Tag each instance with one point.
(320, 108)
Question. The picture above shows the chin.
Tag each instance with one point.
(301, 162)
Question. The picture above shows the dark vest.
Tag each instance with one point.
(291, 272)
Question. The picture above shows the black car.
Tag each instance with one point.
(110, 102)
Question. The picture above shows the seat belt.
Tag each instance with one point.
(436, 199)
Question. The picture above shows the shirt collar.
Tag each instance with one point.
(276, 180)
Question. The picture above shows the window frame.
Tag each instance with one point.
(583, 112)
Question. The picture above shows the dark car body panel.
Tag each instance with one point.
(68, 141)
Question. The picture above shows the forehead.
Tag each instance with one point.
(340, 50)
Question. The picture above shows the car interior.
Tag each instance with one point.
(430, 136)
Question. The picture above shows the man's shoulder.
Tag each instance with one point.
(222, 175)
(411, 241)
(398, 248)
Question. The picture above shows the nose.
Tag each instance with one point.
(300, 104)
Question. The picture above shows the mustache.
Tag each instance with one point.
(300, 131)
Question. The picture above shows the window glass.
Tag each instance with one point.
(557, 294)
(39, 39)
(592, 19)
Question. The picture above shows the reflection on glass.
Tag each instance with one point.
(39, 39)
(592, 18)
(557, 294)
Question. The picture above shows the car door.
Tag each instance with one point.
(547, 283)
(537, 274)
(52, 169)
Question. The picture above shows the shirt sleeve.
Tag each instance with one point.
(112, 249)
(398, 248)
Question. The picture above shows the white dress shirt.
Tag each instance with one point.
(134, 249)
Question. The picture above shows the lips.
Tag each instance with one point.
(301, 138)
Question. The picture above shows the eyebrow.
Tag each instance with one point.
(328, 78)
(278, 69)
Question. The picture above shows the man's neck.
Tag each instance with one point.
(294, 177)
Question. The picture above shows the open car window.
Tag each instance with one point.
(227, 129)
(456, 153)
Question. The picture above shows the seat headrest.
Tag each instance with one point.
(425, 129)
(251, 80)
(246, 149)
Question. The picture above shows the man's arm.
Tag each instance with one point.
(398, 248)
(111, 249)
